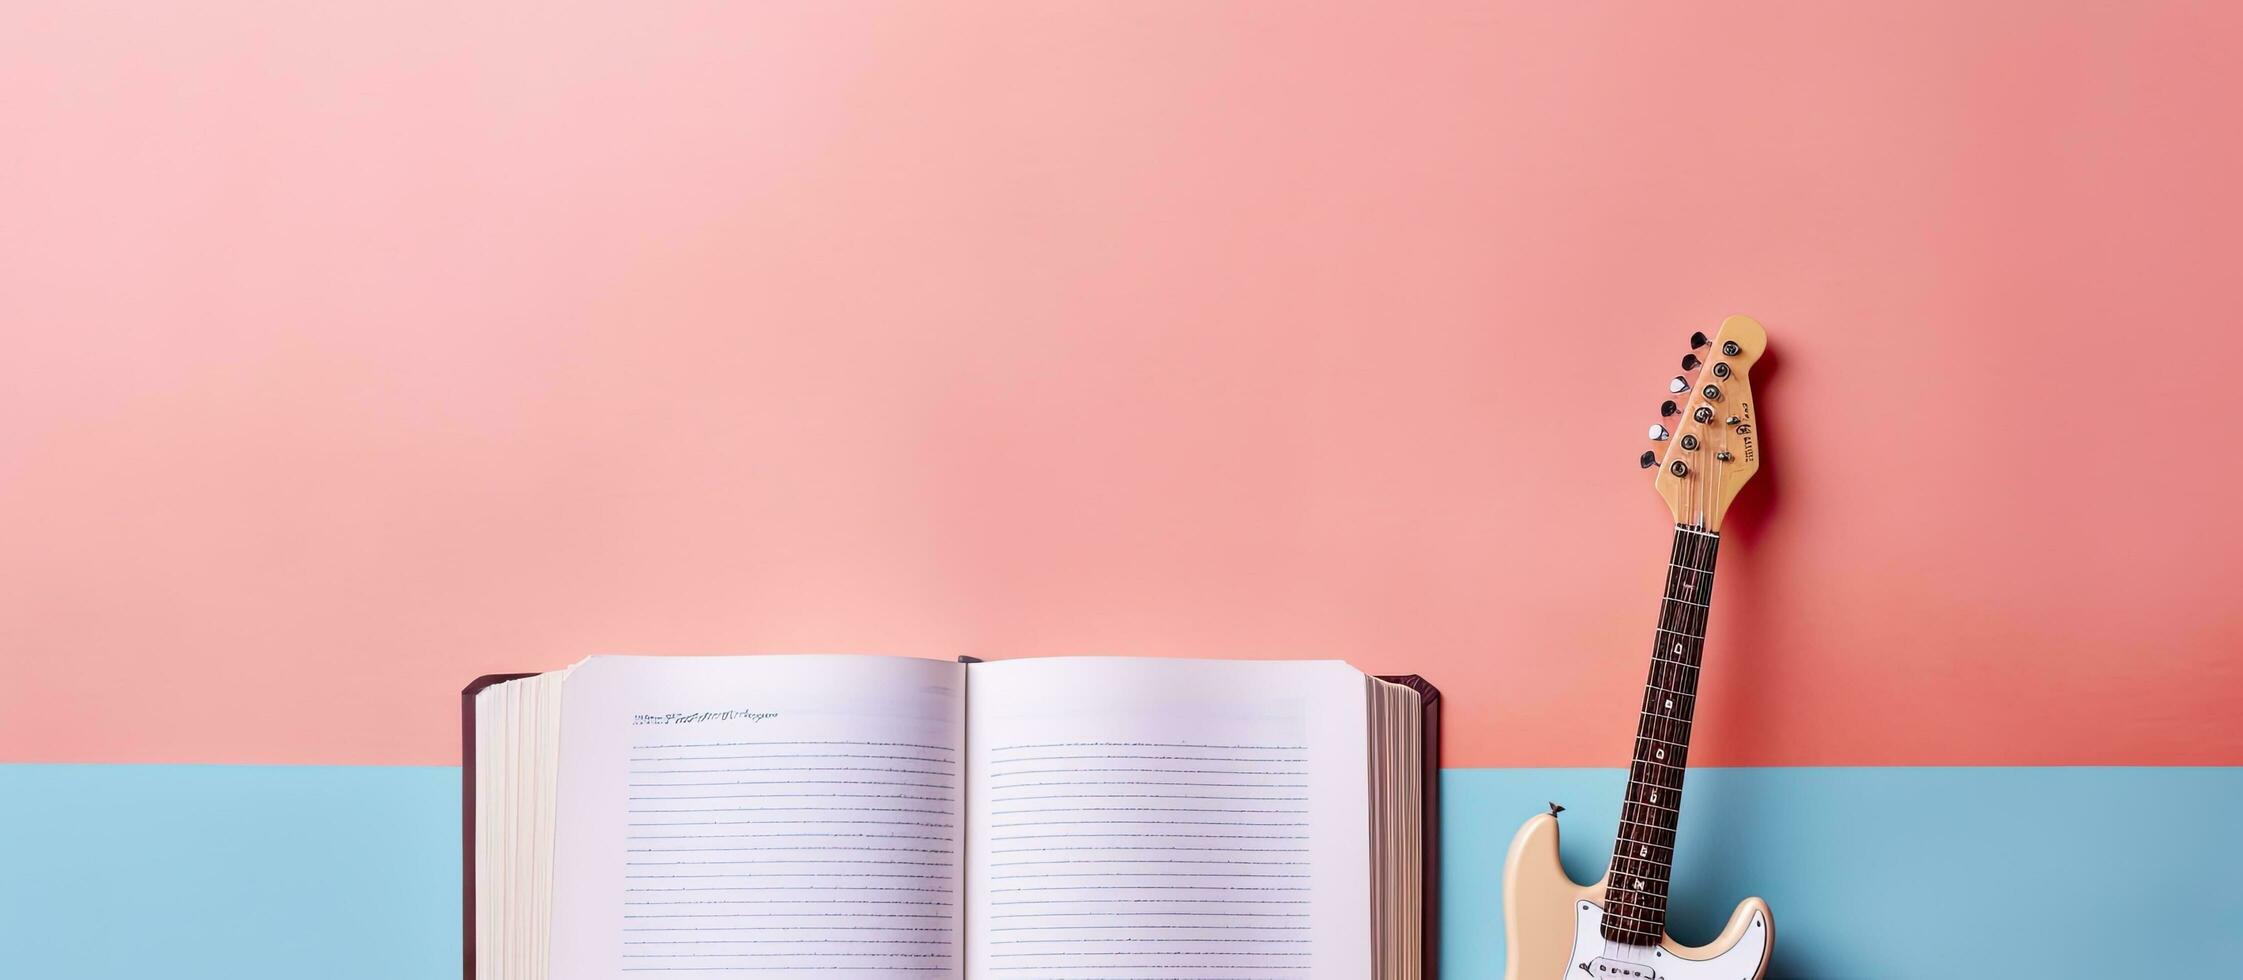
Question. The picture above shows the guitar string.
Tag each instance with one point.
(1683, 558)
(1689, 554)
(1692, 552)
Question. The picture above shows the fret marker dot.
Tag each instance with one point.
(1639, 884)
(1670, 704)
(1654, 797)
(1659, 753)
(1643, 851)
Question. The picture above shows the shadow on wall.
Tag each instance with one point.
(1704, 897)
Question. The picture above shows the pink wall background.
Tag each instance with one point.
(353, 350)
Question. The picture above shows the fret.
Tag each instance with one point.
(1654, 724)
(1646, 888)
(1649, 817)
(1667, 725)
(1646, 778)
(1642, 915)
(1626, 926)
(1620, 892)
(1629, 896)
(1643, 850)
(1654, 806)
(1648, 849)
(1625, 896)
(1653, 791)
(1627, 933)
(1647, 877)
(1648, 871)
(1664, 825)
(1667, 794)
(1631, 935)
(1653, 826)
(1656, 794)
(1654, 910)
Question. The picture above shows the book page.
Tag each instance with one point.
(1168, 819)
(759, 817)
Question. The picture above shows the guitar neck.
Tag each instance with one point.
(1643, 854)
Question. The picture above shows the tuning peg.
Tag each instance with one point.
(1667, 409)
(1679, 385)
(1648, 460)
(1659, 432)
(1689, 362)
(1698, 340)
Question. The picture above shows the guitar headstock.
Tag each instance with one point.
(1709, 433)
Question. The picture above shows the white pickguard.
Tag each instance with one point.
(1596, 958)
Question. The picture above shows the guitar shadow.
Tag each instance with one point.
(1750, 517)
(1725, 815)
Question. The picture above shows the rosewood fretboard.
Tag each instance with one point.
(1643, 855)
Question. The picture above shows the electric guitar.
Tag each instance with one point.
(1615, 929)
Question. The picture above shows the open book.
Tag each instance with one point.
(852, 817)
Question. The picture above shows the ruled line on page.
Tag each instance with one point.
(791, 856)
(1166, 858)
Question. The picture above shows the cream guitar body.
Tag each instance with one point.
(1615, 929)
(1555, 927)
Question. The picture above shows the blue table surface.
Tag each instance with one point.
(253, 872)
